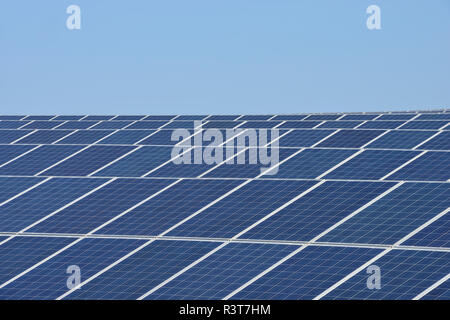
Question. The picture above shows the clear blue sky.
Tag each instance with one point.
(223, 57)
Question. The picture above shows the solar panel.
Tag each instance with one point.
(345, 193)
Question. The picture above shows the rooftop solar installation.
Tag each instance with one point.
(293, 206)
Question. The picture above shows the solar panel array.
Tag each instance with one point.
(101, 193)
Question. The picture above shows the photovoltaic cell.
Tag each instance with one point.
(432, 166)
(371, 164)
(310, 163)
(100, 206)
(405, 116)
(442, 292)
(113, 124)
(42, 201)
(11, 117)
(170, 207)
(144, 270)
(39, 117)
(303, 138)
(138, 163)
(223, 272)
(424, 125)
(88, 161)
(159, 118)
(43, 124)
(77, 124)
(67, 118)
(98, 118)
(435, 235)
(8, 136)
(9, 152)
(249, 169)
(376, 124)
(308, 273)
(395, 215)
(241, 209)
(340, 124)
(85, 137)
(12, 124)
(317, 211)
(260, 124)
(131, 118)
(434, 116)
(12, 186)
(126, 137)
(256, 117)
(21, 253)
(404, 274)
(440, 142)
(299, 124)
(147, 125)
(359, 117)
(323, 117)
(290, 117)
(38, 160)
(44, 137)
(403, 139)
(49, 280)
(350, 138)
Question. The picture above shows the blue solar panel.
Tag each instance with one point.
(303, 138)
(371, 164)
(435, 116)
(289, 117)
(424, 125)
(9, 152)
(395, 215)
(170, 207)
(85, 137)
(131, 118)
(8, 136)
(241, 209)
(43, 124)
(138, 163)
(299, 124)
(440, 142)
(246, 169)
(405, 116)
(112, 124)
(381, 124)
(223, 117)
(147, 125)
(433, 166)
(339, 124)
(256, 117)
(260, 124)
(350, 138)
(308, 273)
(401, 139)
(100, 206)
(77, 124)
(435, 235)
(43, 200)
(90, 255)
(12, 124)
(44, 136)
(38, 160)
(442, 292)
(318, 210)
(144, 270)
(12, 186)
(102, 193)
(223, 272)
(126, 137)
(359, 117)
(21, 253)
(311, 163)
(323, 117)
(406, 269)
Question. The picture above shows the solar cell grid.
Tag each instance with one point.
(96, 191)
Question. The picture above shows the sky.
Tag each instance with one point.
(223, 57)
